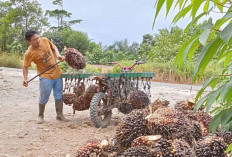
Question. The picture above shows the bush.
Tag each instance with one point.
(11, 60)
(92, 69)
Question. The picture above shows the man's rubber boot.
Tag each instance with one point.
(41, 113)
(59, 111)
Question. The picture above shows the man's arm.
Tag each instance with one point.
(25, 76)
(57, 53)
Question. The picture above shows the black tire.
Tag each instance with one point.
(99, 118)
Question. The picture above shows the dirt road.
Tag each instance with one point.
(21, 136)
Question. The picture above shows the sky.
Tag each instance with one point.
(107, 21)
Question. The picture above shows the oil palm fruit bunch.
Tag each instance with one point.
(145, 141)
(172, 148)
(80, 104)
(184, 105)
(79, 90)
(227, 137)
(74, 58)
(162, 148)
(98, 148)
(132, 126)
(170, 124)
(138, 152)
(138, 99)
(203, 118)
(125, 107)
(197, 130)
(110, 149)
(210, 146)
(157, 104)
(90, 92)
(68, 98)
(91, 149)
(182, 148)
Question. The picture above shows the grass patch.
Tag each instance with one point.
(11, 60)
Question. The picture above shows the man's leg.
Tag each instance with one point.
(45, 91)
(57, 91)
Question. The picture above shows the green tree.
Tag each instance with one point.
(56, 37)
(60, 14)
(96, 56)
(17, 16)
(216, 40)
(168, 42)
(78, 40)
(146, 46)
(70, 38)
(129, 51)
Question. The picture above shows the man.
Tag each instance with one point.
(43, 52)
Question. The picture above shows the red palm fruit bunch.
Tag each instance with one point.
(170, 124)
(210, 146)
(83, 102)
(132, 126)
(74, 58)
(79, 90)
(68, 98)
(139, 99)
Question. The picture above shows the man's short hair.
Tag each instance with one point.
(29, 34)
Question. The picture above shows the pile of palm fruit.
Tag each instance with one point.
(136, 100)
(162, 131)
(74, 58)
(80, 99)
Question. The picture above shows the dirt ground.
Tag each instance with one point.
(21, 136)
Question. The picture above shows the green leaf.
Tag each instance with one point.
(226, 34)
(180, 3)
(158, 7)
(195, 20)
(226, 116)
(228, 15)
(222, 53)
(216, 109)
(225, 91)
(206, 55)
(204, 36)
(213, 97)
(182, 13)
(228, 58)
(201, 102)
(215, 2)
(196, 6)
(220, 6)
(191, 48)
(215, 122)
(229, 149)
(206, 6)
(206, 84)
(223, 20)
(169, 4)
(214, 82)
(180, 54)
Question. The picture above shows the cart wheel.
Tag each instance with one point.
(99, 115)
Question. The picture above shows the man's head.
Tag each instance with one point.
(32, 38)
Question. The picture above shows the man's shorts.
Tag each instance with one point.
(46, 86)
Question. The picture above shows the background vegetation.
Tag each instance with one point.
(201, 51)
(157, 50)
(211, 45)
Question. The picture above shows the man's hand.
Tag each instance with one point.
(25, 84)
(61, 58)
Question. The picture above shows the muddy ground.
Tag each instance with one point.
(21, 136)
